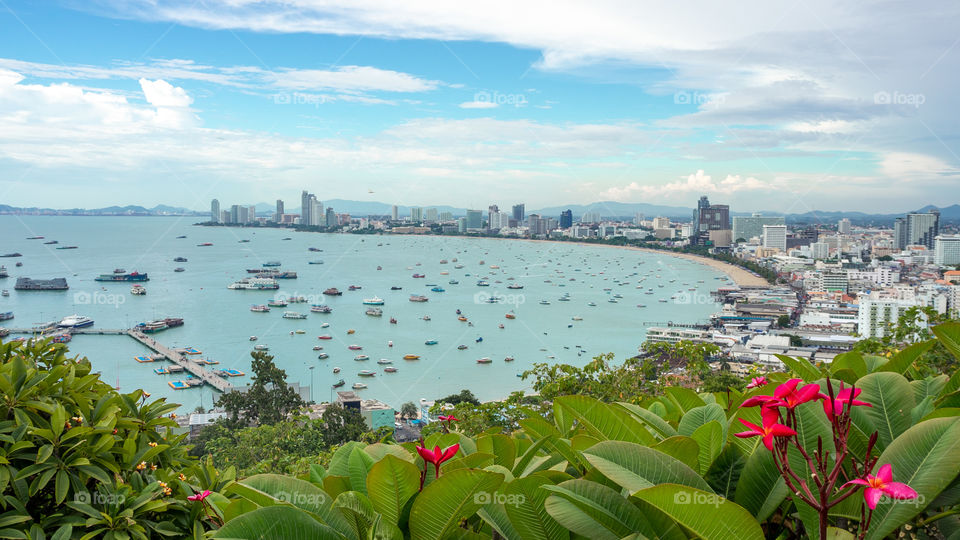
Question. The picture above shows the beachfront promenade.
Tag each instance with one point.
(173, 355)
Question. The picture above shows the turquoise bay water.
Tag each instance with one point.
(219, 323)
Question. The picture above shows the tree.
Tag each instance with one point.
(463, 396)
(783, 321)
(409, 410)
(267, 401)
(341, 424)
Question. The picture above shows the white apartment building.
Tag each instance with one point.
(946, 250)
(775, 236)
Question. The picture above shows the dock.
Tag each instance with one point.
(177, 356)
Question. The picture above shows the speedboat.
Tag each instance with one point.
(390, 369)
(324, 337)
(426, 317)
(411, 357)
(361, 357)
(336, 370)
(253, 338)
(508, 359)
(323, 356)
(355, 347)
(430, 342)
(462, 347)
(359, 386)
(384, 361)
(484, 360)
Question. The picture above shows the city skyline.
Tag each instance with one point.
(446, 108)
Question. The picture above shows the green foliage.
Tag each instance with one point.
(267, 401)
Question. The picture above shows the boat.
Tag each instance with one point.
(34, 238)
(277, 303)
(411, 357)
(355, 347)
(544, 302)
(453, 282)
(332, 291)
(361, 358)
(390, 369)
(325, 325)
(483, 283)
(430, 342)
(67, 247)
(395, 288)
(261, 308)
(179, 269)
(375, 301)
(336, 370)
(205, 244)
(426, 317)
(500, 326)
(375, 312)
(325, 337)
(299, 331)
(438, 289)
(508, 359)
(261, 348)
(51, 242)
(479, 339)
(75, 321)
(180, 259)
(351, 332)
(366, 373)
(138, 290)
(510, 316)
(390, 344)
(323, 356)
(13, 254)
(314, 249)
(458, 267)
(122, 276)
(462, 347)
(576, 318)
(253, 338)
(271, 264)
(418, 298)
(358, 386)
(182, 236)
(3, 272)
(339, 383)
(592, 304)
(384, 361)
(152, 327)
(419, 276)
(484, 360)
(319, 308)
(393, 320)
(315, 262)
(462, 318)
(6, 316)
(354, 288)
(515, 286)
(255, 284)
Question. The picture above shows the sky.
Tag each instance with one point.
(781, 106)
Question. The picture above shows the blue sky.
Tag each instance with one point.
(786, 108)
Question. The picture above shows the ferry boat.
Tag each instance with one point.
(6, 316)
(361, 358)
(3, 272)
(121, 276)
(411, 357)
(366, 373)
(152, 327)
(358, 386)
(375, 301)
(375, 312)
(390, 369)
(260, 308)
(332, 291)
(75, 321)
(418, 298)
(138, 290)
(294, 315)
(261, 348)
(320, 308)
(255, 284)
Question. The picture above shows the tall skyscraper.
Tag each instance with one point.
(537, 225)
(492, 210)
(749, 227)
(242, 214)
(474, 219)
(775, 236)
(843, 226)
(331, 218)
(251, 214)
(278, 214)
(317, 217)
(946, 251)
(518, 212)
(430, 215)
(702, 204)
(416, 214)
(395, 213)
(566, 219)
(215, 211)
(305, 206)
(916, 230)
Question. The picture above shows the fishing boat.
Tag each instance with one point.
(390, 369)
(375, 301)
(6, 316)
(358, 386)
(319, 308)
(375, 312)
(419, 276)
(411, 357)
(483, 283)
(366, 373)
(332, 291)
(515, 286)
(323, 356)
(361, 357)
(430, 342)
(510, 316)
(260, 308)
(294, 315)
(339, 383)
(484, 360)
(354, 288)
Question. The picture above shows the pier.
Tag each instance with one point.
(173, 355)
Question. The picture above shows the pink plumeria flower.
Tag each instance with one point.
(771, 428)
(199, 496)
(757, 382)
(787, 395)
(883, 484)
(833, 407)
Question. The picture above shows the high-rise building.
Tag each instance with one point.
(445, 216)
(492, 210)
(224, 216)
(518, 212)
(278, 214)
(431, 215)
(566, 219)
(820, 250)
(537, 225)
(843, 226)
(306, 205)
(916, 229)
(242, 214)
(395, 213)
(251, 214)
(747, 227)
(416, 214)
(317, 217)
(331, 217)
(715, 217)
(235, 213)
(474, 219)
(661, 223)
(946, 250)
(775, 236)
(591, 217)
(638, 218)
(215, 211)
(702, 204)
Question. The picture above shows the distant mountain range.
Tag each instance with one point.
(606, 209)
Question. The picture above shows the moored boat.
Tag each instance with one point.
(411, 357)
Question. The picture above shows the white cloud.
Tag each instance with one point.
(478, 105)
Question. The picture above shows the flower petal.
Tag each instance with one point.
(885, 474)
(747, 434)
(857, 481)
(786, 388)
(872, 496)
(899, 490)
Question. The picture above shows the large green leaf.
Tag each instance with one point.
(453, 497)
(949, 336)
(761, 489)
(802, 367)
(683, 448)
(390, 483)
(852, 361)
(652, 419)
(710, 438)
(503, 449)
(636, 467)
(299, 493)
(523, 501)
(595, 511)
(683, 398)
(724, 474)
(927, 459)
(602, 420)
(892, 400)
(905, 358)
(276, 522)
(707, 515)
(359, 465)
(699, 416)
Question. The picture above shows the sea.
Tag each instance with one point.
(612, 297)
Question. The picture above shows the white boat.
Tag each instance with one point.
(138, 290)
(254, 284)
(375, 301)
(75, 321)
(294, 315)
(359, 386)
(375, 312)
